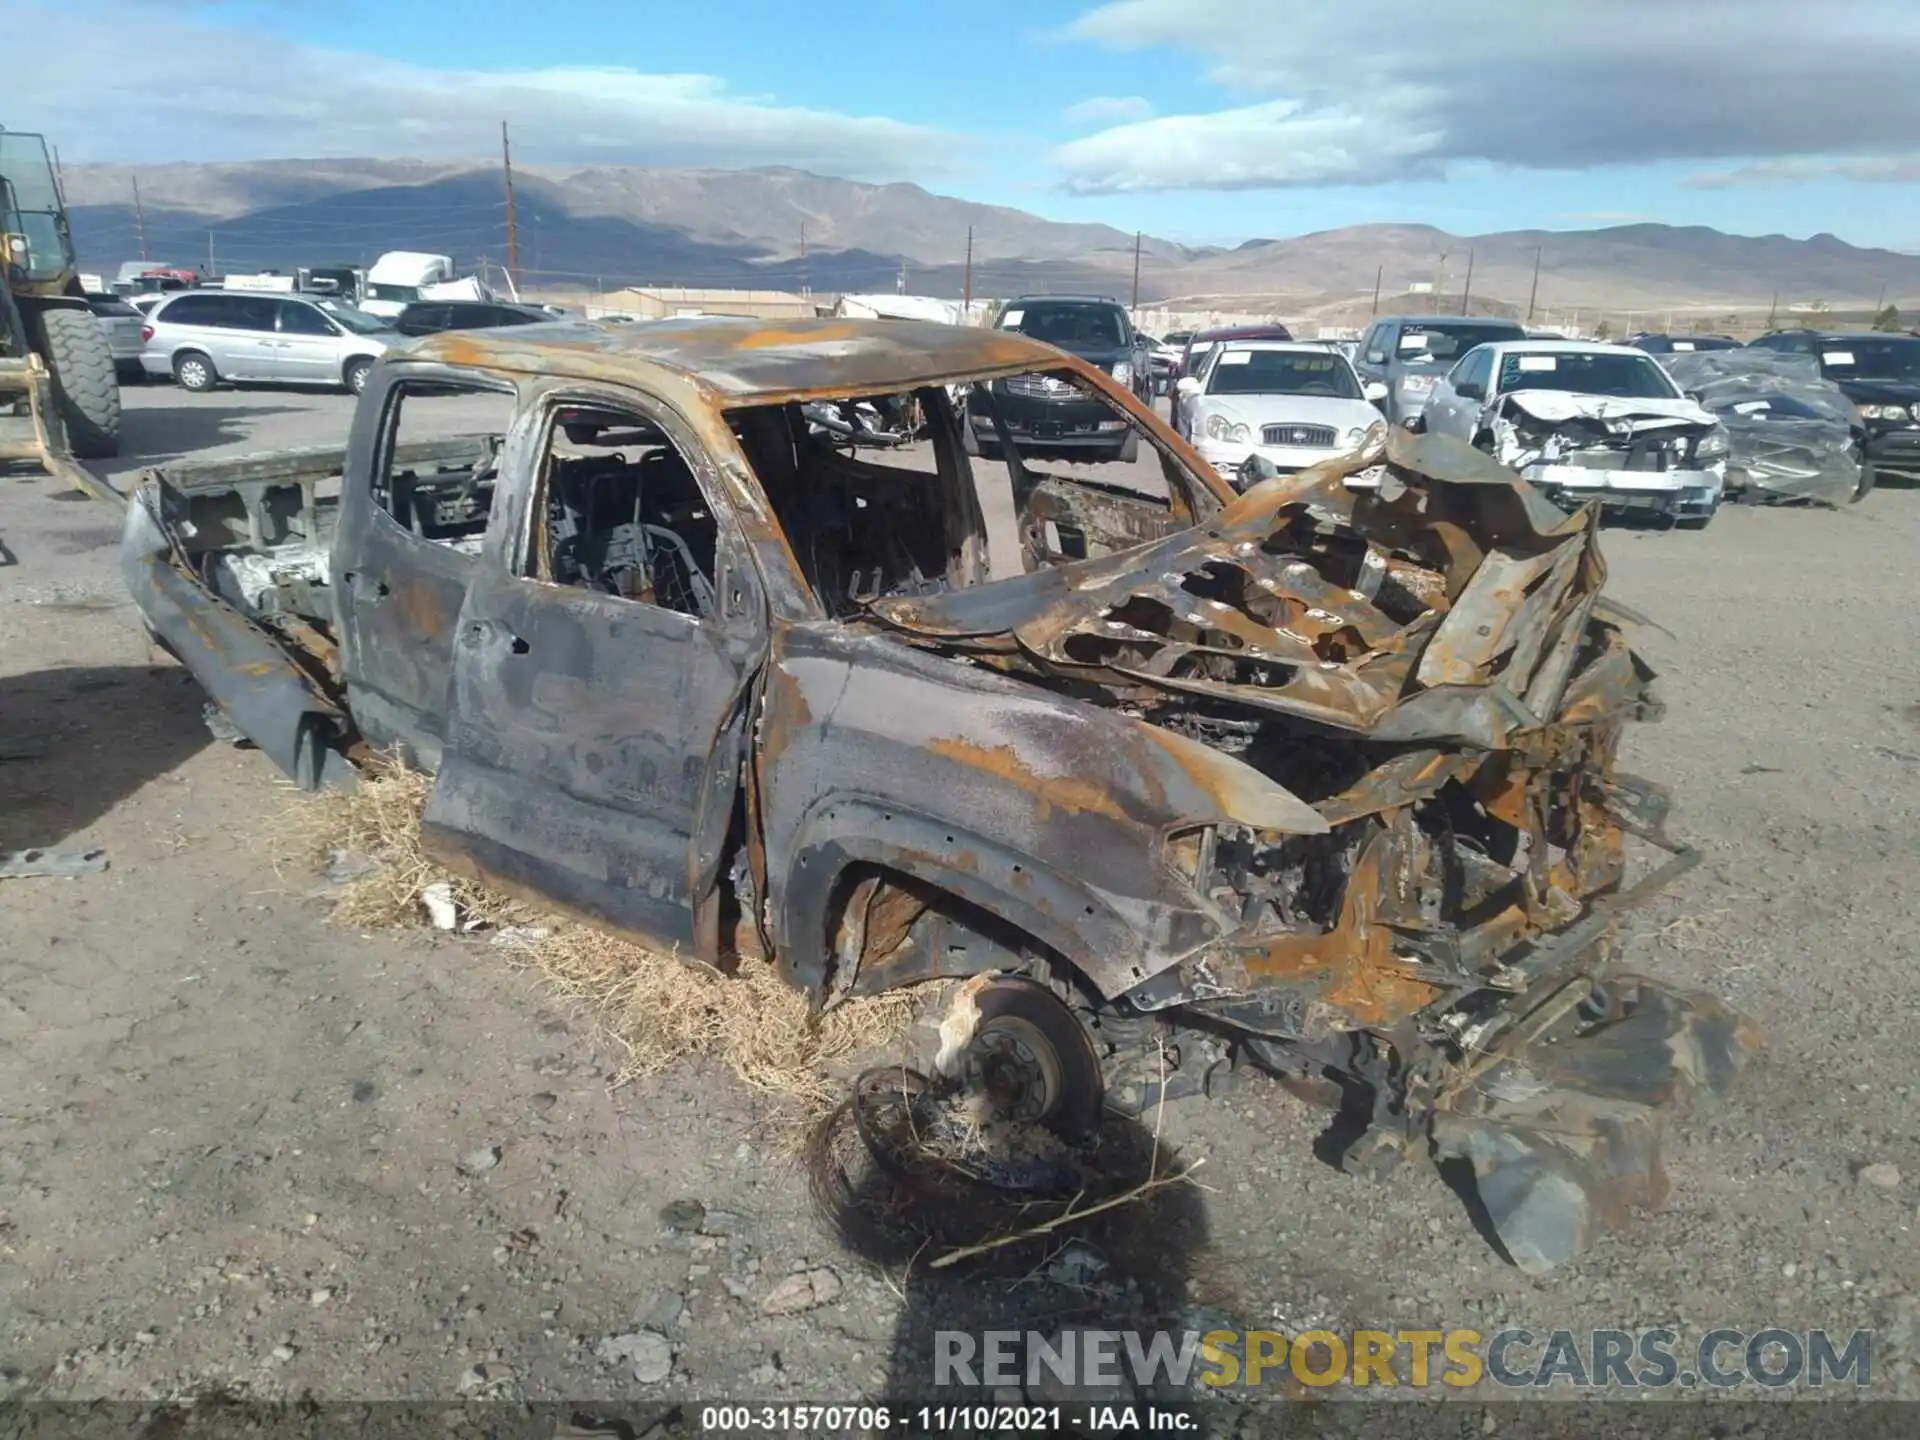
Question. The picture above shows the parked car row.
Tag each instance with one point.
(204, 338)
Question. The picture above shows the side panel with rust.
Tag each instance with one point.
(1044, 811)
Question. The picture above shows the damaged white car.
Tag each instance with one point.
(1587, 422)
(1293, 405)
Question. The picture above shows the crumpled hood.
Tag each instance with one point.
(1449, 605)
(1556, 406)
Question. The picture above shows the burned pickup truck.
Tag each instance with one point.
(1315, 778)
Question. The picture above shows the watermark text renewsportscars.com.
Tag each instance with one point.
(1521, 1359)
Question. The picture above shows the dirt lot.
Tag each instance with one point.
(231, 1132)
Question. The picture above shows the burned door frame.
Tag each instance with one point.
(555, 780)
(399, 596)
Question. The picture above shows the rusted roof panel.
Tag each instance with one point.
(749, 359)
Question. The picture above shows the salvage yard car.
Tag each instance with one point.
(122, 324)
(1409, 353)
(1880, 374)
(1293, 404)
(1313, 779)
(1586, 421)
(1793, 435)
(204, 338)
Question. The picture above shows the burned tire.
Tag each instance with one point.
(85, 388)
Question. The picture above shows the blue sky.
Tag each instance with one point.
(1199, 120)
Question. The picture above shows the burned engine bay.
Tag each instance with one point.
(1434, 670)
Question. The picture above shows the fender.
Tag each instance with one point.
(1111, 947)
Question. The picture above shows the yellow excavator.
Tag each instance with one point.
(59, 396)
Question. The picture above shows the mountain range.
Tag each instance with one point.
(606, 226)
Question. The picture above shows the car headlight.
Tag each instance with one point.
(1886, 412)
(1416, 384)
(1361, 439)
(1123, 372)
(1713, 445)
(1220, 428)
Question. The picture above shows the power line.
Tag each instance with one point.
(513, 233)
(139, 217)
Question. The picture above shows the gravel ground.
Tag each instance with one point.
(243, 1148)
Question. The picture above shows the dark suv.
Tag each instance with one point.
(1049, 416)
(1657, 344)
(1880, 373)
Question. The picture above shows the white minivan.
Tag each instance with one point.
(203, 338)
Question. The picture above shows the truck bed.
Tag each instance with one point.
(231, 564)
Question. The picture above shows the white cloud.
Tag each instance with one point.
(1331, 91)
(202, 91)
(1109, 110)
(1883, 169)
(1280, 142)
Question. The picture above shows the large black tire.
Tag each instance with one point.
(84, 384)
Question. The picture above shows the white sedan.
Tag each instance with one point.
(1587, 422)
(1293, 405)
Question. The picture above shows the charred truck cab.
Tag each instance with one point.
(1315, 777)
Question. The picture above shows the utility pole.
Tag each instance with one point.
(1534, 294)
(806, 281)
(139, 218)
(1136, 271)
(209, 254)
(513, 229)
(1466, 290)
(1378, 272)
(966, 285)
(1878, 305)
(900, 285)
(1773, 310)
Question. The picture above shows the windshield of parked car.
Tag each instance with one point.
(358, 321)
(1863, 359)
(1437, 340)
(1068, 326)
(1629, 377)
(407, 293)
(1282, 372)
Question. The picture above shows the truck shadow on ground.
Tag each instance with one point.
(1133, 1267)
(77, 741)
(151, 435)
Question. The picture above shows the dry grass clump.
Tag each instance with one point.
(655, 1008)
